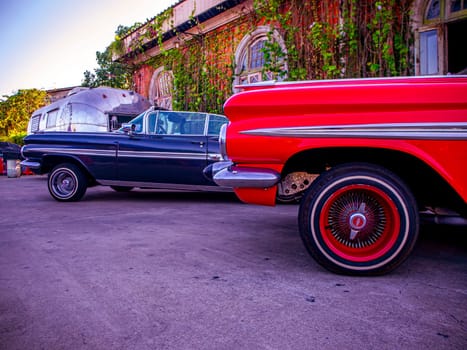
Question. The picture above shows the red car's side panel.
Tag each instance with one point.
(359, 97)
(423, 117)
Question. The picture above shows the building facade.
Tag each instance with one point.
(193, 55)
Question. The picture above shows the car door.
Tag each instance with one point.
(171, 150)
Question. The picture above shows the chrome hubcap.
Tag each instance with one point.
(357, 221)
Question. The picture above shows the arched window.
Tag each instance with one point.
(433, 10)
(250, 58)
(161, 87)
(252, 62)
(458, 5)
(443, 24)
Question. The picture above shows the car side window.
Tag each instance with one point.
(180, 123)
(215, 124)
(152, 118)
(194, 124)
(162, 126)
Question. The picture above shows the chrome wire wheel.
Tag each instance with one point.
(359, 223)
(66, 182)
(359, 219)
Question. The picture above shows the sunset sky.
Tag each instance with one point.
(47, 44)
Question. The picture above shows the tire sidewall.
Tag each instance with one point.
(78, 178)
(315, 199)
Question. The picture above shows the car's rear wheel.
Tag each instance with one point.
(359, 219)
(67, 183)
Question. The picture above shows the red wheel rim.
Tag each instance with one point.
(359, 223)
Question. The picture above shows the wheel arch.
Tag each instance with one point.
(417, 174)
(50, 161)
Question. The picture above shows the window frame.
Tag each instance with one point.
(246, 75)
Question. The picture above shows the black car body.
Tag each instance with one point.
(157, 149)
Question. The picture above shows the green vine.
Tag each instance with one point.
(323, 40)
(320, 46)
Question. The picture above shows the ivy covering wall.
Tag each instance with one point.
(343, 39)
(323, 39)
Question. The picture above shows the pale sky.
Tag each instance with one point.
(48, 44)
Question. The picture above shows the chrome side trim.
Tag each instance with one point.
(233, 176)
(127, 154)
(419, 131)
(161, 155)
(214, 156)
(75, 151)
(165, 186)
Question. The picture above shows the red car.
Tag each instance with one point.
(368, 158)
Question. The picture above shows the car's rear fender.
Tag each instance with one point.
(51, 161)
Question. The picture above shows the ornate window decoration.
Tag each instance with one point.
(161, 87)
(250, 58)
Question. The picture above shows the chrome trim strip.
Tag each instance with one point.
(420, 131)
(246, 177)
(127, 154)
(75, 151)
(161, 155)
(165, 186)
(214, 156)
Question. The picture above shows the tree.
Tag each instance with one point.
(16, 110)
(110, 73)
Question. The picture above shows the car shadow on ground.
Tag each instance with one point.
(441, 240)
(103, 193)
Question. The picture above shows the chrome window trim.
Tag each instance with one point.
(222, 141)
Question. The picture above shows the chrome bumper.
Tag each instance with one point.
(30, 164)
(228, 175)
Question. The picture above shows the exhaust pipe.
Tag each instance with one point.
(450, 220)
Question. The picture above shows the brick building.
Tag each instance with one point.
(191, 56)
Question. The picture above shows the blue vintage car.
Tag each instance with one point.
(157, 149)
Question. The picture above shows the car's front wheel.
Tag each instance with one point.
(359, 219)
(67, 183)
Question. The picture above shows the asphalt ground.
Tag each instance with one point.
(184, 270)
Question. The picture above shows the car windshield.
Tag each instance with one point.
(138, 123)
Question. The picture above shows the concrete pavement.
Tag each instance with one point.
(173, 270)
